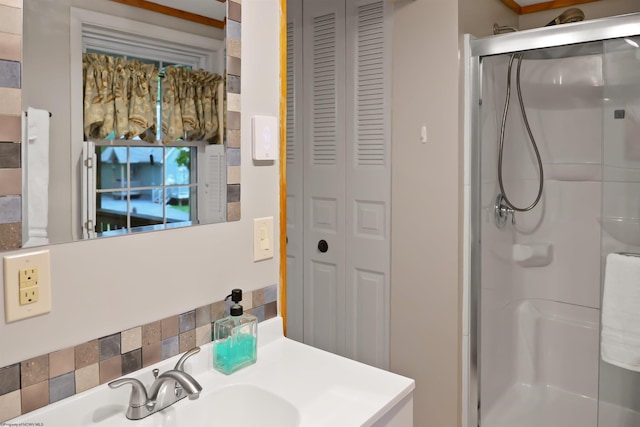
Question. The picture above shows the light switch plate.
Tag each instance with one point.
(13, 265)
(264, 137)
(262, 238)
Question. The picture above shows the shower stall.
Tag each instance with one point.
(535, 277)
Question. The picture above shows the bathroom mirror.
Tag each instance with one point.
(156, 183)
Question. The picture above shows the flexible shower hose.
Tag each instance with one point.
(531, 138)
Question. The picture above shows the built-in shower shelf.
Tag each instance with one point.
(593, 171)
(624, 230)
(533, 254)
(621, 172)
(586, 171)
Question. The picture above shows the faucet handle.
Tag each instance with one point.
(180, 365)
(138, 391)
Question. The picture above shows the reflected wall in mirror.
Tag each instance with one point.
(190, 177)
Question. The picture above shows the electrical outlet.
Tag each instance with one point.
(28, 277)
(27, 285)
(262, 238)
(29, 295)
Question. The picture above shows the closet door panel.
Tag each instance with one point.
(295, 170)
(368, 176)
(324, 174)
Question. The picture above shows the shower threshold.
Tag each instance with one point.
(525, 405)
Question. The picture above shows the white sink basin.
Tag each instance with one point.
(238, 405)
(245, 405)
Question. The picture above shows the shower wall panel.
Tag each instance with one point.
(566, 223)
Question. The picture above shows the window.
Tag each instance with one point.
(140, 188)
(130, 185)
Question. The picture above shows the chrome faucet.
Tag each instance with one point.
(168, 388)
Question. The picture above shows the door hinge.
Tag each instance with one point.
(89, 163)
(88, 225)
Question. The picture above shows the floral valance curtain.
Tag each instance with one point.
(192, 105)
(121, 96)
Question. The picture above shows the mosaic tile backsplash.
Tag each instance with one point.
(34, 383)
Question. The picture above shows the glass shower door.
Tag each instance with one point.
(540, 275)
(619, 380)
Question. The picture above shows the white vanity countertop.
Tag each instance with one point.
(328, 390)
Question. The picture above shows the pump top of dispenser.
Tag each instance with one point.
(236, 297)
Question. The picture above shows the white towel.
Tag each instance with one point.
(620, 336)
(36, 146)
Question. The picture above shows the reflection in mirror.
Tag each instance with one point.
(141, 188)
(150, 93)
(159, 185)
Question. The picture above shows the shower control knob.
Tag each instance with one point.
(502, 211)
(323, 246)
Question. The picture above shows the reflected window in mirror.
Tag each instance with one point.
(153, 125)
(133, 188)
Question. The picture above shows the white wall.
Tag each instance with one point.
(426, 262)
(477, 17)
(425, 322)
(108, 285)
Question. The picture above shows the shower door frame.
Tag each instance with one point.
(539, 38)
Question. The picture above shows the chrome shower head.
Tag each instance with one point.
(570, 15)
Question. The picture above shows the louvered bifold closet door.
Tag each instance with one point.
(295, 171)
(324, 176)
(368, 179)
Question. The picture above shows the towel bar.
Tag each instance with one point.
(27, 114)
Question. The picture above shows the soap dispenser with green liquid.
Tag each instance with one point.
(235, 338)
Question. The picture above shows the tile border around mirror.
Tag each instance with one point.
(10, 125)
(233, 31)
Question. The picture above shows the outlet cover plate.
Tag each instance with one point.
(262, 238)
(12, 265)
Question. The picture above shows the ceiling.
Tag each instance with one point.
(531, 6)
